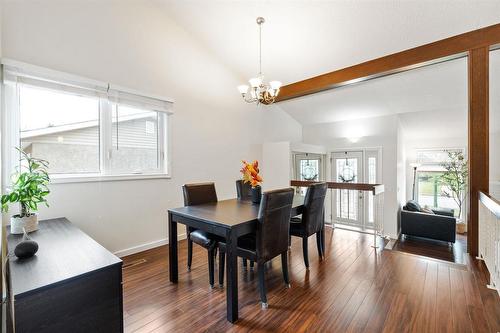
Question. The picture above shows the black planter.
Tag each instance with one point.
(256, 194)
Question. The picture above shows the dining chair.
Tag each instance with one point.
(197, 194)
(269, 240)
(244, 192)
(312, 219)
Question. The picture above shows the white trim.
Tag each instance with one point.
(88, 178)
(146, 246)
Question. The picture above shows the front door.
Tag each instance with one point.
(308, 167)
(347, 167)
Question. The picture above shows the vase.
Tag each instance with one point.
(256, 194)
(18, 224)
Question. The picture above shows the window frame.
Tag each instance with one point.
(11, 135)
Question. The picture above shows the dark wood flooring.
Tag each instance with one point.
(455, 253)
(355, 289)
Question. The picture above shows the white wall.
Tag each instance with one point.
(372, 133)
(136, 45)
(278, 155)
(401, 169)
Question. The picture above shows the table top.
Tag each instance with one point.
(229, 213)
(65, 252)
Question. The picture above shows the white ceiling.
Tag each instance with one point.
(434, 88)
(304, 38)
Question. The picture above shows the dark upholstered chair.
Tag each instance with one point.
(197, 194)
(243, 190)
(439, 226)
(270, 239)
(312, 220)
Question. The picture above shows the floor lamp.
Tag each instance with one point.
(414, 166)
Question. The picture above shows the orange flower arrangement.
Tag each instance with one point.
(250, 173)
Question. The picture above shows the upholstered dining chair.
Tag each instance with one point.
(312, 220)
(270, 239)
(244, 192)
(197, 194)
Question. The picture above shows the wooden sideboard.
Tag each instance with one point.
(72, 284)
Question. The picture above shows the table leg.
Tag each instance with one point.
(173, 264)
(232, 277)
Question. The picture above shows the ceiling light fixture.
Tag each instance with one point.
(258, 91)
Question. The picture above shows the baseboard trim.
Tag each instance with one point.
(146, 246)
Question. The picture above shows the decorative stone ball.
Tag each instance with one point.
(26, 249)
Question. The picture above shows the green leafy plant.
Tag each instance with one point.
(29, 185)
(455, 178)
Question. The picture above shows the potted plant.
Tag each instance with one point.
(251, 175)
(29, 189)
(455, 179)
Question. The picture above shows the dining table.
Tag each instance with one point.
(230, 219)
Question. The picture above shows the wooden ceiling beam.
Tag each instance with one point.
(445, 49)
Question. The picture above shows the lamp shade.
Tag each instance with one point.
(255, 82)
(275, 85)
(243, 89)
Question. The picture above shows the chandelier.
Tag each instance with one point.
(258, 91)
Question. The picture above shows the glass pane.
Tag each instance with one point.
(60, 128)
(372, 179)
(347, 201)
(433, 193)
(309, 170)
(134, 140)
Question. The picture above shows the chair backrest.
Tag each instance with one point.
(314, 203)
(243, 190)
(199, 193)
(273, 228)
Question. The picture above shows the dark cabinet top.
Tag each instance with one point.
(65, 253)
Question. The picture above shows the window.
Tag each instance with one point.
(431, 191)
(85, 131)
(135, 140)
(60, 128)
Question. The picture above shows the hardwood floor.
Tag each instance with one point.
(456, 253)
(355, 289)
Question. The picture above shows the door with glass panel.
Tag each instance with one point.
(308, 167)
(347, 167)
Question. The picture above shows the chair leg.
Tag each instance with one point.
(222, 259)
(289, 241)
(284, 268)
(304, 250)
(190, 253)
(319, 245)
(262, 285)
(211, 260)
(244, 261)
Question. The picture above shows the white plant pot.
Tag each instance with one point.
(17, 223)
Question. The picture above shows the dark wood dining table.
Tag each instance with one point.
(227, 218)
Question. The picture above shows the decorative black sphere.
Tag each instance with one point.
(26, 249)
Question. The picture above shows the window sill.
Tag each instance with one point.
(64, 179)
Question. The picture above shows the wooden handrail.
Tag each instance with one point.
(374, 188)
(491, 203)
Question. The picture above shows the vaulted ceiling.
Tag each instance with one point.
(304, 38)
